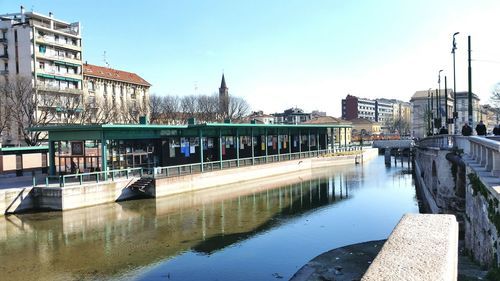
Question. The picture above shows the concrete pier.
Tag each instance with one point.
(77, 196)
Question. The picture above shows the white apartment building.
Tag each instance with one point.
(384, 111)
(123, 95)
(463, 109)
(46, 51)
(367, 109)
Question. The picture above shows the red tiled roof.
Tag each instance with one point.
(113, 74)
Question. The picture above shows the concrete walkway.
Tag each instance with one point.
(351, 262)
(11, 181)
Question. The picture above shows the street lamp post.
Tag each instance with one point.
(439, 100)
(432, 112)
(455, 113)
(445, 103)
(429, 113)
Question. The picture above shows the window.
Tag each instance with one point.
(41, 65)
(91, 86)
(56, 38)
(105, 88)
(42, 49)
(132, 96)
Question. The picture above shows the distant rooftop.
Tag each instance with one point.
(113, 74)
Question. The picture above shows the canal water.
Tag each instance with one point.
(264, 230)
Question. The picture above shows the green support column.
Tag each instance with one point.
(104, 156)
(200, 135)
(220, 148)
(340, 139)
(52, 159)
(317, 140)
(279, 144)
(345, 137)
(253, 146)
(289, 145)
(237, 147)
(326, 139)
(300, 144)
(309, 141)
(266, 143)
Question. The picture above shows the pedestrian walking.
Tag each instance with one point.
(466, 130)
(496, 130)
(481, 129)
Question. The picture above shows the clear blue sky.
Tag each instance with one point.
(284, 53)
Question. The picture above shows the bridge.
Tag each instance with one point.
(461, 176)
(393, 144)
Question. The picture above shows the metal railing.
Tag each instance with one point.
(97, 177)
(189, 169)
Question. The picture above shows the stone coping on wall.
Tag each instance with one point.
(422, 247)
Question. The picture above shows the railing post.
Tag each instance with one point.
(61, 181)
(33, 178)
(80, 177)
(141, 173)
(126, 173)
(46, 181)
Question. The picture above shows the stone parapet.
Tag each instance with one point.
(421, 247)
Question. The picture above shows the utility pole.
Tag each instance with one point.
(455, 113)
(432, 113)
(445, 103)
(470, 88)
(429, 114)
(439, 100)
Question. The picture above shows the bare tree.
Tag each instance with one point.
(170, 109)
(189, 106)
(495, 100)
(207, 108)
(5, 110)
(70, 108)
(238, 108)
(29, 109)
(155, 108)
(105, 112)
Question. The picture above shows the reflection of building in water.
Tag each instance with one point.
(116, 238)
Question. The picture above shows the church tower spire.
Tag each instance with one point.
(223, 97)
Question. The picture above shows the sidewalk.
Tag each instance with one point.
(11, 181)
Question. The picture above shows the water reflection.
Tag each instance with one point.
(117, 240)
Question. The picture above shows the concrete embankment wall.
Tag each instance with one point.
(187, 183)
(421, 247)
(447, 188)
(18, 200)
(482, 219)
(436, 182)
(71, 197)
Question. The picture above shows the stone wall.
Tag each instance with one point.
(442, 183)
(482, 221)
(438, 181)
(421, 247)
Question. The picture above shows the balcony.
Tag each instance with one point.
(4, 72)
(4, 56)
(46, 88)
(3, 40)
(45, 41)
(58, 58)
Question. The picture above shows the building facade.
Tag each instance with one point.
(424, 109)
(45, 54)
(293, 115)
(463, 109)
(114, 96)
